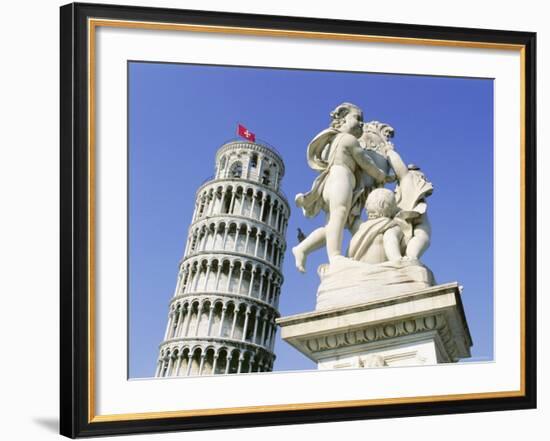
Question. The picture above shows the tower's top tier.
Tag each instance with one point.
(252, 161)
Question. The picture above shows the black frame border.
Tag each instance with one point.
(74, 220)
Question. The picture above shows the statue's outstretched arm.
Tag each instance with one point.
(397, 164)
(366, 163)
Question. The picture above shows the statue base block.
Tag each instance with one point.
(427, 326)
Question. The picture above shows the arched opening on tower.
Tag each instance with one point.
(266, 177)
(223, 161)
(254, 160)
(236, 170)
(226, 203)
(221, 364)
(184, 361)
(265, 211)
(208, 367)
(234, 362)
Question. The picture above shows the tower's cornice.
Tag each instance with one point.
(279, 193)
(204, 295)
(227, 254)
(253, 146)
(228, 218)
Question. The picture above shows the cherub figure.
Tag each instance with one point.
(380, 238)
(411, 192)
(337, 154)
(393, 233)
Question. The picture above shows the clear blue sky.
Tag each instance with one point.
(179, 115)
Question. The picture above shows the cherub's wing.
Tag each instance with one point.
(315, 158)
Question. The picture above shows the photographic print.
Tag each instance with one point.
(383, 183)
(275, 220)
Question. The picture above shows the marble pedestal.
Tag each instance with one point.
(426, 326)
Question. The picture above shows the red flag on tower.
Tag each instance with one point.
(246, 134)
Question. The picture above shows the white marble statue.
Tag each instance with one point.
(377, 264)
(338, 190)
(377, 305)
(355, 160)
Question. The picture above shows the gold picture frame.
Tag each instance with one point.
(79, 24)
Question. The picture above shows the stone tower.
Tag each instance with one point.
(222, 315)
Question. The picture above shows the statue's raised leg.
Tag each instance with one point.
(314, 241)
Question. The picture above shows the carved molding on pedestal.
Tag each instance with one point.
(393, 330)
(385, 331)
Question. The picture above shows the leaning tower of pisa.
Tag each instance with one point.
(222, 315)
